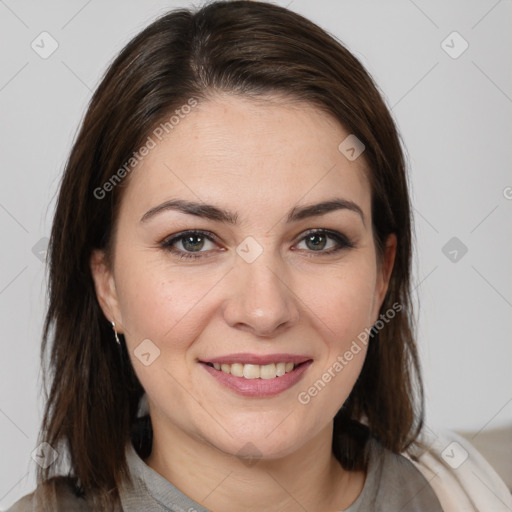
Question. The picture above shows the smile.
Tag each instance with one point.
(257, 380)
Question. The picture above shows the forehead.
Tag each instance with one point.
(253, 155)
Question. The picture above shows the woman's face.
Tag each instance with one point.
(255, 285)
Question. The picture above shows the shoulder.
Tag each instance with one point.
(63, 495)
(394, 483)
(461, 478)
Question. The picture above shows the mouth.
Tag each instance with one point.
(257, 376)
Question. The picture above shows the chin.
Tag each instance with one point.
(260, 444)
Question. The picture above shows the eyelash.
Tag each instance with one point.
(343, 243)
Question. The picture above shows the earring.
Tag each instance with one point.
(115, 333)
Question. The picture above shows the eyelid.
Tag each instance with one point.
(330, 232)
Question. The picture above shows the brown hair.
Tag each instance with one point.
(246, 48)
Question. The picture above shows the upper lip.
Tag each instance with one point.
(257, 359)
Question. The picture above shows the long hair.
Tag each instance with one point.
(246, 48)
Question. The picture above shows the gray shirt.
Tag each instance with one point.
(393, 484)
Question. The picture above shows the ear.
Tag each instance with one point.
(384, 273)
(105, 287)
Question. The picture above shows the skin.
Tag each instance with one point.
(259, 159)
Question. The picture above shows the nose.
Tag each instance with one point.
(260, 300)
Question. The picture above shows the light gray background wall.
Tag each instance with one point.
(455, 116)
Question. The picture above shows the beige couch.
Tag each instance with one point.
(496, 446)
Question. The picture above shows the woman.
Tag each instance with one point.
(230, 326)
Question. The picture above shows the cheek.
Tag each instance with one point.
(163, 305)
(344, 313)
(343, 302)
(161, 300)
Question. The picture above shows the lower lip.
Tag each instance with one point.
(258, 387)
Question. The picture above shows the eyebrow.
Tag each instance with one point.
(209, 211)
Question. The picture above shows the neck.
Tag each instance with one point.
(309, 479)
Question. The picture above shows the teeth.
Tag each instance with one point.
(268, 371)
(237, 370)
(251, 371)
(256, 371)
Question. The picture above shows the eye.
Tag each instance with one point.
(194, 243)
(317, 241)
(191, 242)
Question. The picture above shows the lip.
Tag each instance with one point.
(258, 388)
(247, 358)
